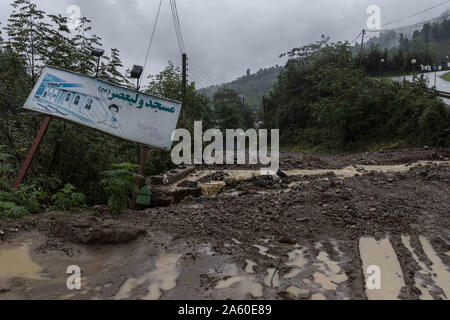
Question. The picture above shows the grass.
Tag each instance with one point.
(446, 76)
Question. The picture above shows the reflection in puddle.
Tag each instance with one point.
(272, 280)
(263, 251)
(318, 296)
(207, 250)
(249, 267)
(296, 260)
(381, 254)
(424, 270)
(243, 285)
(246, 285)
(163, 278)
(17, 263)
(441, 276)
(330, 274)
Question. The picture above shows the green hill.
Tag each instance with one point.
(252, 85)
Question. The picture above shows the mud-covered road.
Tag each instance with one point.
(313, 233)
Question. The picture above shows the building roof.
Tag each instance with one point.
(74, 87)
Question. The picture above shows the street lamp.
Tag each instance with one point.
(382, 61)
(136, 73)
(413, 63)
(97, 53)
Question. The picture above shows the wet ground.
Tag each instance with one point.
(323, 231)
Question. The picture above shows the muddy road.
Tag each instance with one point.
(316, 233)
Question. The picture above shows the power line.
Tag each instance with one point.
(176, 23)
(416, 25)
(201, 70)
(151, 38)
(357, 37)
(415, 14)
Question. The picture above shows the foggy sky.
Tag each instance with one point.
(225, 37)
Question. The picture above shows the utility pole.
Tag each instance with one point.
(264, 110)
(362, 48)
(184, 86)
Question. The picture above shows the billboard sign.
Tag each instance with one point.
(121, 112)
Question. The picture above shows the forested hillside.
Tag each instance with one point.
(252, 85)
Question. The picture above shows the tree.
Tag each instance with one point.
(228, 109)
(28, 35)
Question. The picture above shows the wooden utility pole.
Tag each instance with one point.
(184, 87)
(264, 110)
(33, 151)
(362, 48)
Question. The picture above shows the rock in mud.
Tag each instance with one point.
(287, 240)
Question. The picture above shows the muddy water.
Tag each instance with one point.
(381, 254)
(214, 187)
(422, 274)
(146, 270)
(441, 275)
(17, 263)
(162, 278)
(297, 261)
(330, 274)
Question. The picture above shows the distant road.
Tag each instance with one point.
(441, 84)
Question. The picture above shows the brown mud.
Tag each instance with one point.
(310, 235)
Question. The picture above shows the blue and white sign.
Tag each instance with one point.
(124, 113)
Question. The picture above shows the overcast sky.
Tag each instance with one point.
(225, 37)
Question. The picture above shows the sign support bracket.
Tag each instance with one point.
(32, 152)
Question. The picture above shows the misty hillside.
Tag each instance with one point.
(432, 38)
(252, 85)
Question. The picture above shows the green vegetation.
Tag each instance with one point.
(324, 100)
(446, 76)
(67, 199)
(70, 153)
(429, 45)
(120, 184)
(252, 86)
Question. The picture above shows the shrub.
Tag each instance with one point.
(12, 210)
(67, 199)
(120, 184)
(18, 203)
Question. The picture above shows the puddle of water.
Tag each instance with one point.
(212, 188)
(263, 251)
(163, 278)
(249, 267)
(268, 279)
(207, 250)
(17, 263)
(222, 284)
(297, 261)
(441, 275)
(426, 295)
(243, 285)
(381, 254)
(330, 274)
(236, 241)
(318, 296)
(349, 171)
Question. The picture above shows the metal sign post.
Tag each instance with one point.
(32, 151)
